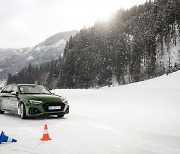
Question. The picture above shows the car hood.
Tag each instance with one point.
(41, 97)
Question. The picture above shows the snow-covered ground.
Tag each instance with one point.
(139, 118)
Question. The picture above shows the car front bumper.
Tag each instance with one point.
(42, 109)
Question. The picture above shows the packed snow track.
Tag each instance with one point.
(140, 118)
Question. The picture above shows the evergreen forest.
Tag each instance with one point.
(128, 48)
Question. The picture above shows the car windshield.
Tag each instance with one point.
(33, 89)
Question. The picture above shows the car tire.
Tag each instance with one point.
(22, 111)
(1, 112)
(60, 115)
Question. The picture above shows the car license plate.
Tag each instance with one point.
(54, 107)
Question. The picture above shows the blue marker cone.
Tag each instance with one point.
(5, 138)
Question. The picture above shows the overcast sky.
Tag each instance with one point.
(25, 23)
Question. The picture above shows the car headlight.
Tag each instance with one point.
(64, 100)
(35, 102)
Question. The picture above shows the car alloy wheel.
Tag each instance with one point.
(22, 111)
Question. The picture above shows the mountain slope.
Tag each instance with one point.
(133, 45)
(47, 50)
(5, 53)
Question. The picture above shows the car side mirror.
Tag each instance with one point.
(14, 93)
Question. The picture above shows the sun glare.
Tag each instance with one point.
(52, 17)
(88, 12)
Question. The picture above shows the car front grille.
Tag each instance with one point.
(46, 104)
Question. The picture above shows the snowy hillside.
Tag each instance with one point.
(5, 53)
(47, 50)
(139, 118)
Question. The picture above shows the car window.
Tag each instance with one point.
(8, 89)
(33, 89)
(24, 89)
(15, 89)
(3, 89)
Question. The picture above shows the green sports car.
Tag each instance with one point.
(31, 100)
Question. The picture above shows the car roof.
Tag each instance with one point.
(26, 84)
(21, 84)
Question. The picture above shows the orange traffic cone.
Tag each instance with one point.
(46, 134)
